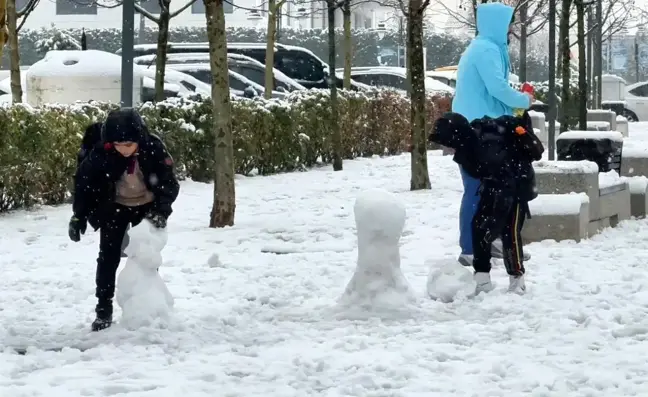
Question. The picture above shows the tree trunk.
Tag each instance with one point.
(222, 213)
(161, 53)
(566, 72)
(348, 53)
(599, 54)
(590, 63)
(270, 42)
(420, 178)
(336, 137)
(582, 66)
(14, 54)
(3, 26)
(636, 57)
(524, 9)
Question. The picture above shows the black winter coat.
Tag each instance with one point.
(490, 150)
(99, 172)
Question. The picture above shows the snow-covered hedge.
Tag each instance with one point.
(38, 146)
(442, 49)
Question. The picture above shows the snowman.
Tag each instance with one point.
(378, 284)
(141, 293)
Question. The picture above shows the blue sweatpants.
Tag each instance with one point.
(469, 203)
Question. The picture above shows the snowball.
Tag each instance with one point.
(214, 261)
(448, 280)
(141, 292)
(378, 284)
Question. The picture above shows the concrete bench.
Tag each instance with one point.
(557, 217)
(609, 198)
(638, 196)
(622, 126)
(598, 126)
(635, 158)
(602, 115)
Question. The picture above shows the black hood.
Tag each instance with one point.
(123, 125)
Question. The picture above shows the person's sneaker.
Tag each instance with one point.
(483, 283)
(497, 251)
(465, 260)
(104, 312)
(517, 285)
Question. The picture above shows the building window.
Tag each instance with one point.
(198, 7)
(70, 7)
(152, 6)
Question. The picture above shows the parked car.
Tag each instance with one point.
(636, 102)
(394, 77)
(172, 48)
(237, 82)
(241, 64)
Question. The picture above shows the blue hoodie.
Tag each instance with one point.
(482, 79)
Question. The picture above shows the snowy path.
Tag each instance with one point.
(256, 324)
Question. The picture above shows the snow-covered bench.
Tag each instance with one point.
(603, 115)
(557, 217)
(560, 213)
(598, 126)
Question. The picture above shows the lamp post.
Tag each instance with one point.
(128, 39)
(552, 80)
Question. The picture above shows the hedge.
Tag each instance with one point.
(442, 49)
(38, 146)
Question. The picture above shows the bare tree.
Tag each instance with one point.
(348, 51)
(565, 66)
(224, 205)
(414, 11)
(15, 21)
(4, 33)
(273, 8)
(582, 65)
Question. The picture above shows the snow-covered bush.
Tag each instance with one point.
(38, 147)
(54, 39)
(442, 49)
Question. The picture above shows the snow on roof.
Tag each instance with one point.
(77, 63)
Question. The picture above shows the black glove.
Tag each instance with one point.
(76, 228)
(159, 221)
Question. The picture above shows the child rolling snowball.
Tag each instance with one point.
(499, 152)
(126, 176)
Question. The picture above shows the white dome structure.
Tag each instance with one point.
(70, 76)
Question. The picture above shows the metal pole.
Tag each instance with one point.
(128, 39)
(552, 80)
(599, 52)
(590, 24)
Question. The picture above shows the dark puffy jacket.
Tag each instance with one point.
(491, 150)
(98, 173)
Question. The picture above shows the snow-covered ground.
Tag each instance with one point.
(256, 321)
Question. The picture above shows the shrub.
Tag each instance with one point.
(38, 146)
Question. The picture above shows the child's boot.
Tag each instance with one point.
(517, 285)
(104, 312)
(484, 284)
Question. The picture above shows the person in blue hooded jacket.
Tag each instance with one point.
(483, 90)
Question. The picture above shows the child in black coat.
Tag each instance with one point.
(499, 152)
(127, 176)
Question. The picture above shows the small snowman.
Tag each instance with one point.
(378, 283)
(141, 293)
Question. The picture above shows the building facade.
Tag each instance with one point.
(98, 14)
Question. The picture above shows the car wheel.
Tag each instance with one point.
(630, 115)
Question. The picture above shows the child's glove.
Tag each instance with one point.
(159, 221)
(76, 228)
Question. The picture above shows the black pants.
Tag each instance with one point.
(499, 214)
(112, 232)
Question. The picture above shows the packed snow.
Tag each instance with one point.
(611, 135)
(609, 179)
(253, 323)
(555, 167)
(141, 293)
(378, 284)
(558, 204)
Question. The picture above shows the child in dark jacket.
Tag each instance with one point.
(126, 177)
(499, 152)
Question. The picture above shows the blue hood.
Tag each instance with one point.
(493, 20)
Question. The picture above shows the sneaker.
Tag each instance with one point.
(484, 284)
(517, 285)
(497, 251)
(104, 312)
(465, 260)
